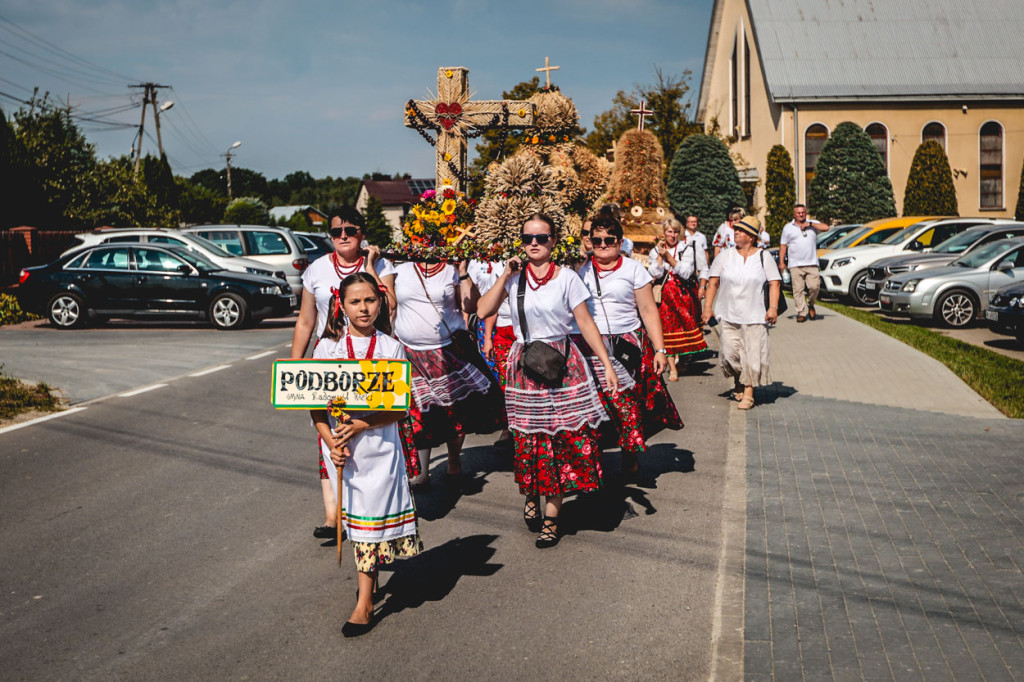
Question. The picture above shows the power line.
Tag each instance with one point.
(192, 121)
(48, 71)
(67, 70)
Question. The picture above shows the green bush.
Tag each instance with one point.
(850, 183)
(702, 180)
(930, 188)
(16, 397)
(779, 190)
(1019, 213)
(246, 211)
(11, 312)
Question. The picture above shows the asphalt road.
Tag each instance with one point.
(167, 535)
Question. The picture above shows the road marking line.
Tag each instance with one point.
(261, 355)
(209, 371)
(137, 391)
(48, 417)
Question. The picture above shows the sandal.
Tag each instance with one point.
(531, 515)
(549, 534)
(746, 403)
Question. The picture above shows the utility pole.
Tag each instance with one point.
(227, 155)
(148, 97)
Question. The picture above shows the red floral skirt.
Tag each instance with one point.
(625, 428)
(659, 409)
(451, 397)
(504, 337)
(680, 318)
(565, 463)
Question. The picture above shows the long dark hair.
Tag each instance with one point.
(335, 328)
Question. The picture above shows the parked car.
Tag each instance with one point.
(148, 281)
(844, 271)
(161, 235)
(1005, 313)
(316, 244)
(834, 234)
(872, 232)
(957, 294)
(275, 246)
(943, 254)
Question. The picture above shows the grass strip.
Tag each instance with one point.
(996, 378)
(17, 397)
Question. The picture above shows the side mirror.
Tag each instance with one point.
(916, 245)
(1005, 265)
(184, 269)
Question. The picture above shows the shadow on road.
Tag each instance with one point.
(446, 492)
(433, 574)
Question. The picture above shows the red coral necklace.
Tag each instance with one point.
(606, 271)
(344, 271)
(535, 282)
(430, 270)
(369, 351)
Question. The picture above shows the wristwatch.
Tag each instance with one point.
(661, 350)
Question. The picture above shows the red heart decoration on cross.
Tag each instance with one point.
(447, 113)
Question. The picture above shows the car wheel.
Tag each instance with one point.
(858, 292)
(67, 311)
(228, 311)
(956, 309)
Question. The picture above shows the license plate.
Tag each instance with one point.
(992, 315)
(884, 300)
(293, 300)
(870, 286)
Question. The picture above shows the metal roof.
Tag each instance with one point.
(890, 49)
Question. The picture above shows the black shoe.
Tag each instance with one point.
(325, 532)
(422, 487)
(350, 629)
(533, 521)
(548, 535)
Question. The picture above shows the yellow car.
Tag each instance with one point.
(874, 232)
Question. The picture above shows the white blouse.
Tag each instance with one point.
(549, 309)
(484, 276)
(615, 310)
(418, 323)
(320, 277)
(740, 297)
(684, 267)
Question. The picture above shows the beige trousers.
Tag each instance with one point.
(806, 277)
(745, 353)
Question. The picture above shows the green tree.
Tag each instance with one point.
(20, 193)
(702, 180)
(246, 211)
(111, 195)
(198, 204)
(378, 231)
(159, 181)
(780, 191)
(1019, 213)
(672, 121)
(930, 188)
(850, 183)
(298, 221)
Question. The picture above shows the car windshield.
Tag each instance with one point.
(960, 242)
(986, 253)
(904, 234)
(851, 237)
(833, 236)
(216, 248)
(196, 259)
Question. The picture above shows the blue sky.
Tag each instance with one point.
(320, 86)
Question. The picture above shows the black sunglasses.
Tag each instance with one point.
(349, 231)
(584, 233)
(541, 239)
(604, 241)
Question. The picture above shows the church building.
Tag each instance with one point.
(788, 71)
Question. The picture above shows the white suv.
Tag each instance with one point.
(275, 246)
(845, 271)
(192, 242)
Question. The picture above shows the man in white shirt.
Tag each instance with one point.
(799, 243)
(725, 237)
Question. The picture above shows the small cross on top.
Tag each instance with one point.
(643, 112)
(547, 69)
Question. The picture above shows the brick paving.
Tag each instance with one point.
(882, 543)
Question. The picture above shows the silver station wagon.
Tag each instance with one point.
(957, 294)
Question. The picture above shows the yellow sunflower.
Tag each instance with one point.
(448, 207)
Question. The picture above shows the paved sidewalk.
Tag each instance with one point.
(881, 542)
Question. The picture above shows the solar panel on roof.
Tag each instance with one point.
(418, 187)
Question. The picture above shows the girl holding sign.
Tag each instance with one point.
(378, 513)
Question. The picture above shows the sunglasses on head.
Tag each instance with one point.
(604, 241)
(348, 231)
(539, 238)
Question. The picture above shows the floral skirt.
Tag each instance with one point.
(659, 409)
(625, 428)
(681, 319)
(504, 337)
(565, 463)
(370, 555)
(451, 397)
(535, 408)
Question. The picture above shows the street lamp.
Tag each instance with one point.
(227, 155)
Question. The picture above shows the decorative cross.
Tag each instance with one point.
(547, 69)
(643, 112)
(455, 119)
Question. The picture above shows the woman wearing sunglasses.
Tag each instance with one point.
(678, 266)
(320, 282)
(553, 420)
(453, 391)
(622, 305)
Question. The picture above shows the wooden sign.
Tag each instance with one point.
(377, 385)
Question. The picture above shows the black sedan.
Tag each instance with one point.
(148, 281)
(1005, 312)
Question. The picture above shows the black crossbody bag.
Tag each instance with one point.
(539, 361)
(622, 350)
(767, 287)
